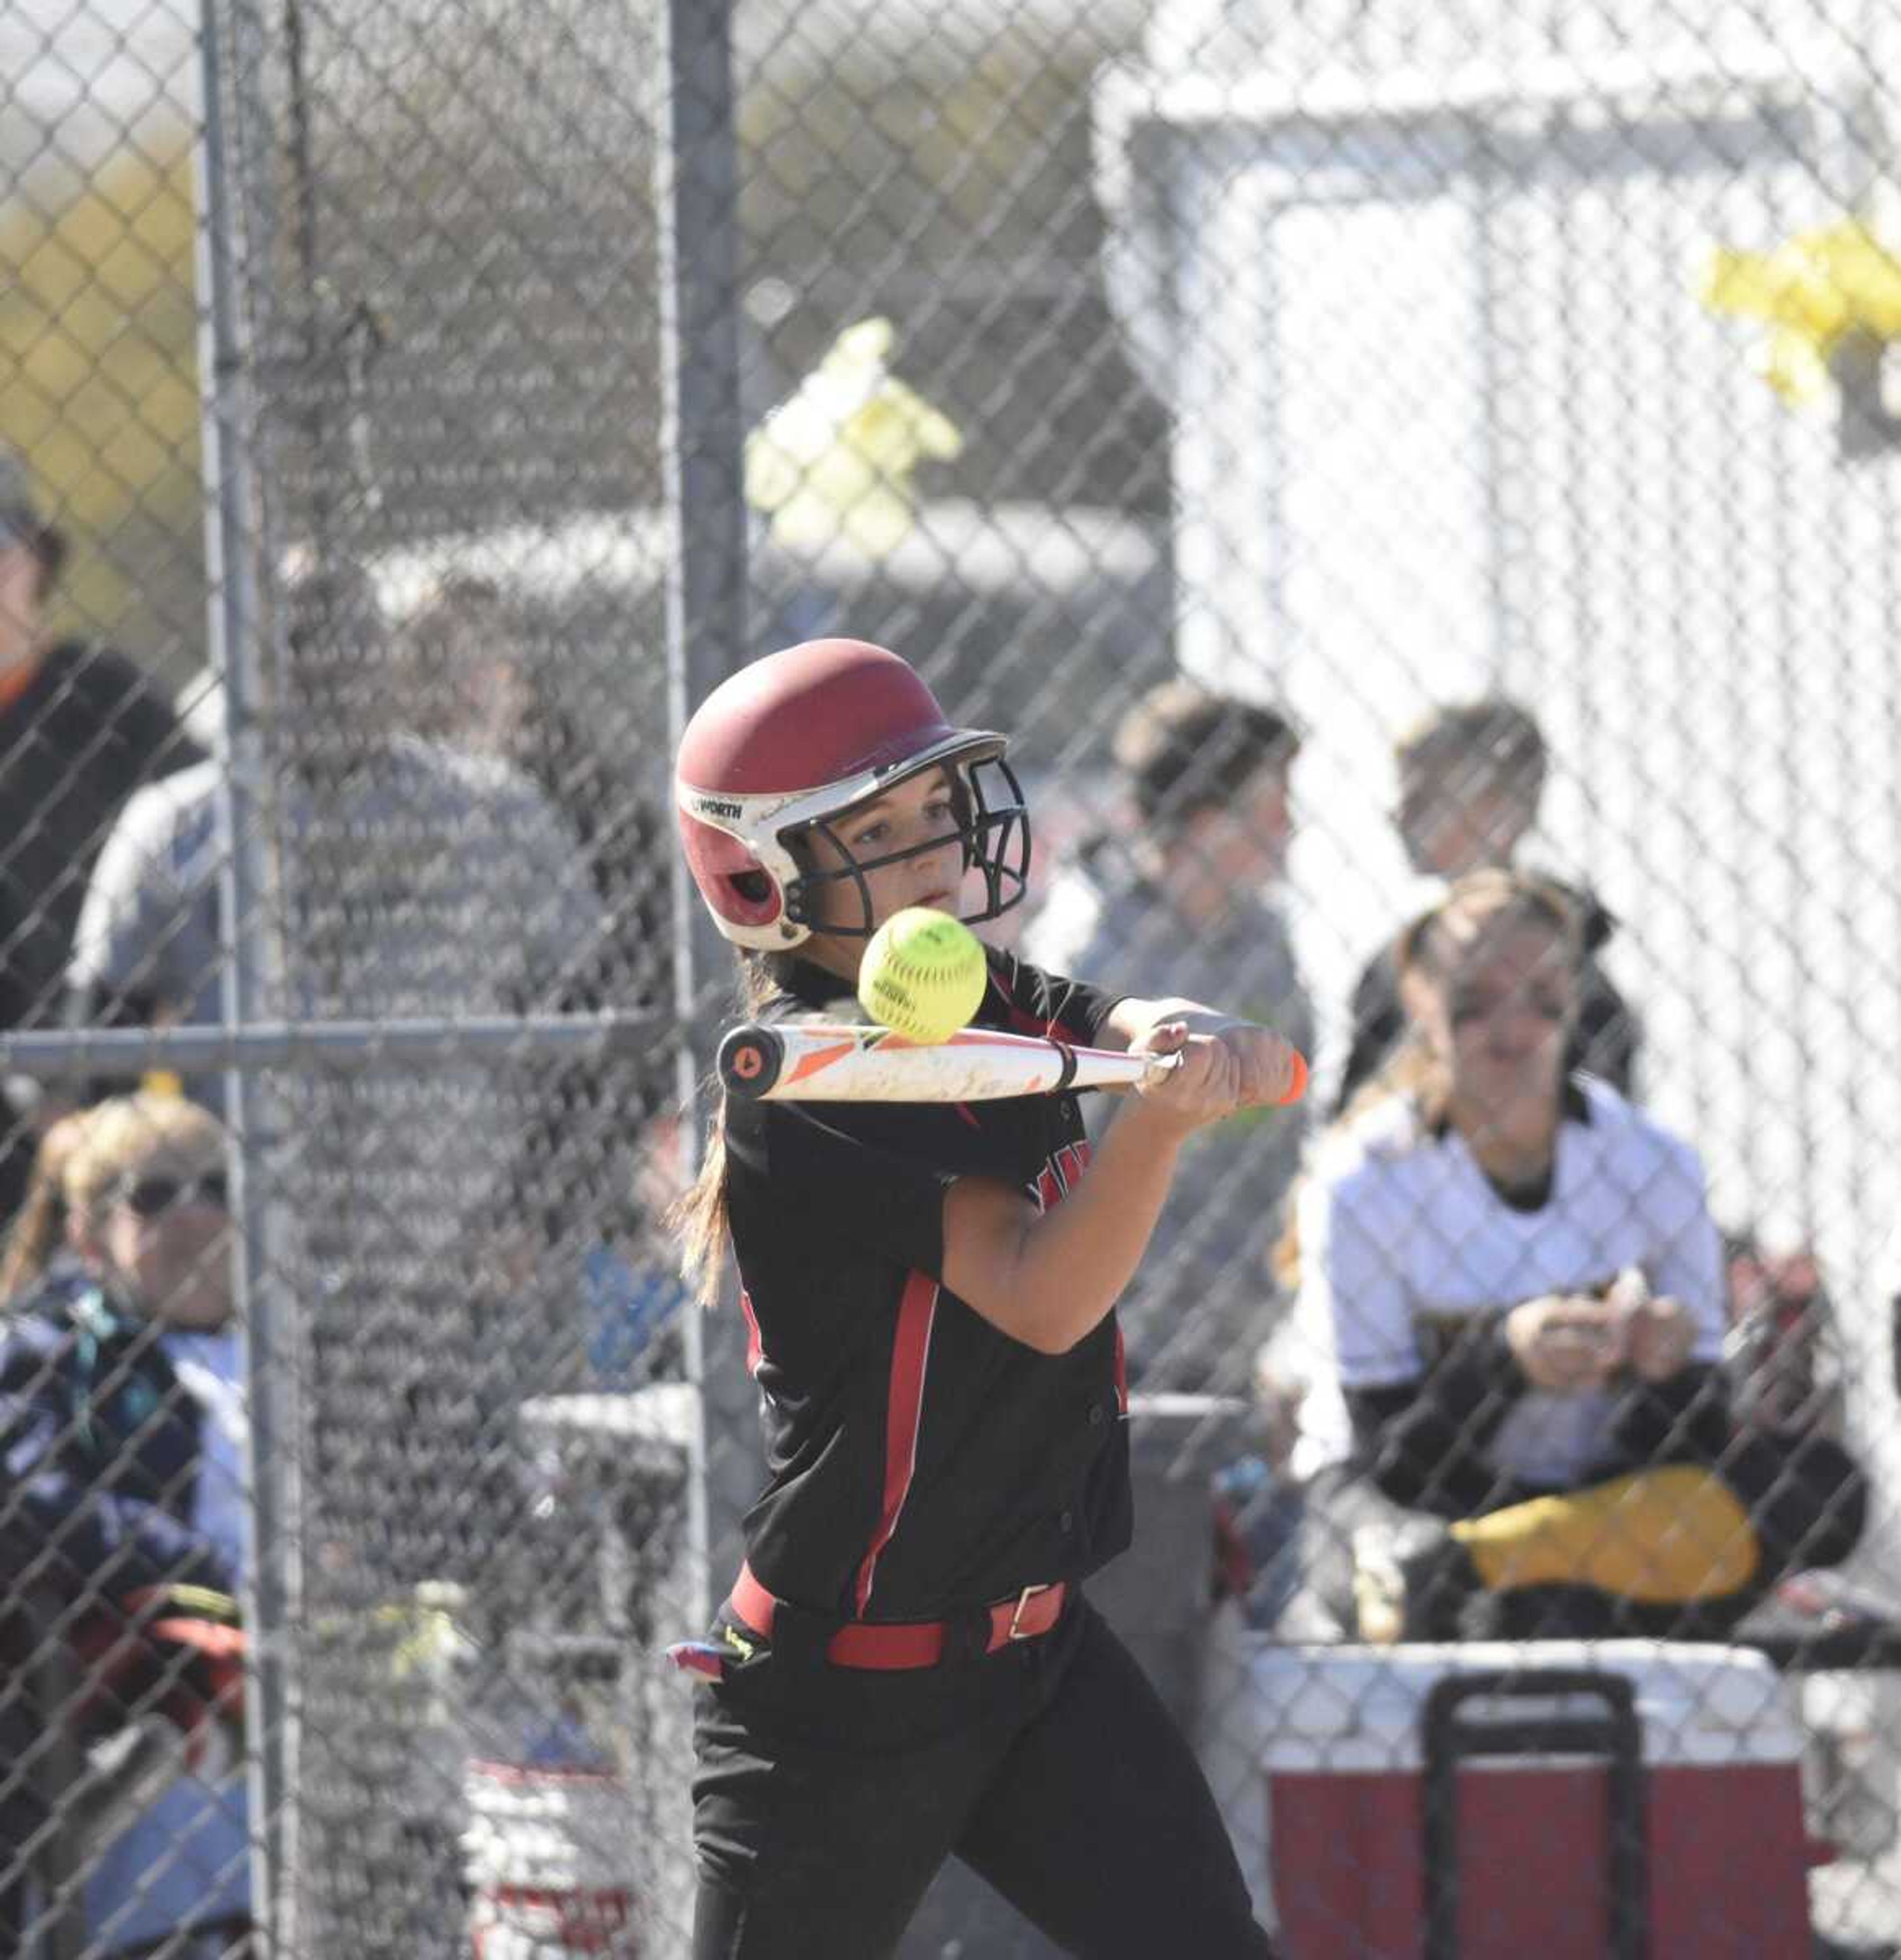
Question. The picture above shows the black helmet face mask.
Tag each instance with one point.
(992, 826)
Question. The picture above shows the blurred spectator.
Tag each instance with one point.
(1180, 902)
(1783, 1352)
(36, 1247)
(493, 683)
(419, 880)
(466, 674)
(1471, 776)
(435, 1244)
(1514, 1279)
(1259, 1505)
(123, 1422)
(81, 728)
(421, 841)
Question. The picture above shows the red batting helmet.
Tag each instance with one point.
(793, 740)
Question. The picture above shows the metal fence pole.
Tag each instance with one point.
(695, 189)
(232, 529)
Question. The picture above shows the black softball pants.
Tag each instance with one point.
(826, 1799)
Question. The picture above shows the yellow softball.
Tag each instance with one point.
(923, 974)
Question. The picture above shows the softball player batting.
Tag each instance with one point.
(906, 1667)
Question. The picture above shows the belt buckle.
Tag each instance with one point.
(1023, 1598)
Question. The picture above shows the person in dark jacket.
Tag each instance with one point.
(81, 728)
(1471, 777)
(121, 1437)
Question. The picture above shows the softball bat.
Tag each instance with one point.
(821, 1062)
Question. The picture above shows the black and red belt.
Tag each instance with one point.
(896, 1644)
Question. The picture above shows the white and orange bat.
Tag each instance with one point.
(807, 1062)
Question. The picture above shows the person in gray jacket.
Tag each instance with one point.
(1185, 894)
(428, 1227)
(412, 879)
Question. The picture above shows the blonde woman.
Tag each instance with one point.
(35, 1244)
(121, 1435)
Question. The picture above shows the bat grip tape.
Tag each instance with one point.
(1068, 1076)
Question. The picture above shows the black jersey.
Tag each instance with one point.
(920, 1461)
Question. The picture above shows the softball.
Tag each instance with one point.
(923, 974)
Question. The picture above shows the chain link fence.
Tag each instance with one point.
(418, 409)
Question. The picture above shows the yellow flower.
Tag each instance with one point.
(834, 459)
(1814, 290)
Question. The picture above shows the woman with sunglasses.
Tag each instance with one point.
(122, 1436)
(1514, 1279)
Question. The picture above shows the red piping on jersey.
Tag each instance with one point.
(903, 1412)
(1060, 1175)
(1044, 1027)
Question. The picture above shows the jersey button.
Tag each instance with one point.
(1067, 1523)
(1096, 1415)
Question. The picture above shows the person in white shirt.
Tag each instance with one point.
(1511, 1293)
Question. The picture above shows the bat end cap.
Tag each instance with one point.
(749, 1062)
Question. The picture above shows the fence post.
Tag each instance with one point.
(233, 533)
(695, 193)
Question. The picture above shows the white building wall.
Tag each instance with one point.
(1452, 414)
